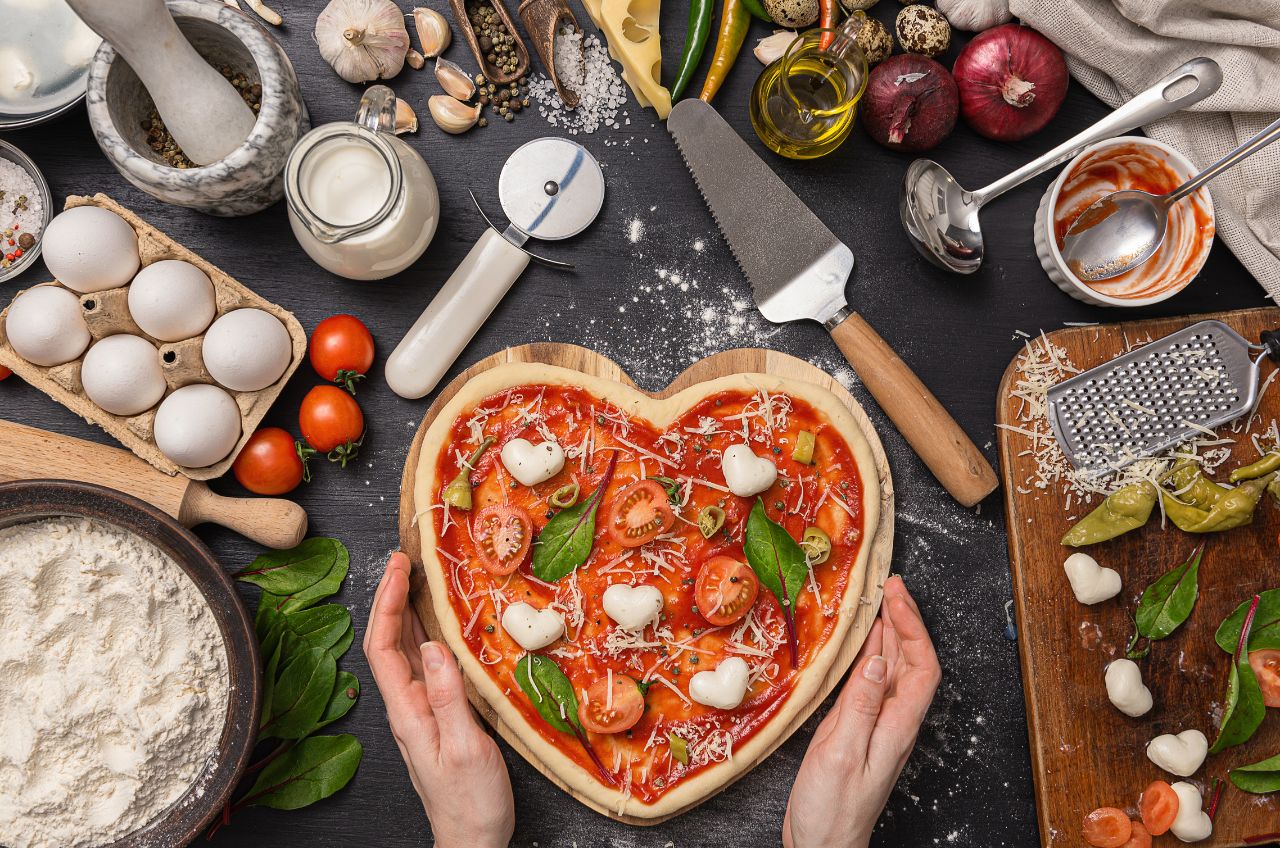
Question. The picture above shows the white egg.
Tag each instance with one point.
(172, 300)
(90, 249)
(46, 326)
(247, 350)
(122, 374)
(197, 425)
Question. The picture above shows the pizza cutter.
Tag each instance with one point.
(550, 189)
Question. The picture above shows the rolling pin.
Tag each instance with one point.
(31, 454)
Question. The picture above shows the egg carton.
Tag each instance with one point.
(107, 313)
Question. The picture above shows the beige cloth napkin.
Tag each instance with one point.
(1116, 48)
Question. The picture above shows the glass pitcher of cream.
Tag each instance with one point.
(362, 203)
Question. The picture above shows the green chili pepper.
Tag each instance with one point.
(710, 520)
(458, 493)
(1123, 510)
(1273, 488)
(679, 749)
(1235, 509)
(1190, 486)
(757, 10)
(695, 44)
(803, 451)
(734, 23)
(1261, 468)
(816, 545)
(565, 496)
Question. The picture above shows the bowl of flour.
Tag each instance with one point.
(129, 673)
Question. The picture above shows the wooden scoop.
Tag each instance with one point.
(31, 454)
(199, 106)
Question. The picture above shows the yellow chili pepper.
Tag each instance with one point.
(735, 20)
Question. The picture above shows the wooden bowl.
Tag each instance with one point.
(32, 500)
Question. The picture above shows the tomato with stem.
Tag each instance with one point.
(1158, 807)
(1266, 667)
(611, 705)
(503, 535)
(639, 514)
(1107, 827)
(332, 423)
(342, 350)
(272, 462)
(725, 590)
(5, 373)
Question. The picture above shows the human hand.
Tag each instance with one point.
(859, 750)
(455, 766)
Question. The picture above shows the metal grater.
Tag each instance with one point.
(1157, 396)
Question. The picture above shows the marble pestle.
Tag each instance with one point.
(200, 108)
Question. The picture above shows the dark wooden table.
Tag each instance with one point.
(969, 781)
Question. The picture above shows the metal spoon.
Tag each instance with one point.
(1119, 232)
(941, 216)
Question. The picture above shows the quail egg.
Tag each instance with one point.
(197, 425)
(793, 14)
(46, 326)
(90, 249)
(172, 300)
(247, 350)
(122, 374)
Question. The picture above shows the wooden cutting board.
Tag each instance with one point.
(730, 362)
(1084, 752)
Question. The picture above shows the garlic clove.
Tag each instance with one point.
(454, 80)
(770, 48)
(433, 31)
(406, 118)
(415, 59)
(452, 115)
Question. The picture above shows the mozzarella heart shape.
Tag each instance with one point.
(745, 473)
(1126, 689)
(1181, 754)
(723, 688)
(632, 607)
(532, 464)
(1192, 823)
(1090, 582)
(531, 627)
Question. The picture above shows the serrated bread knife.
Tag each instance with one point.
(798, 269)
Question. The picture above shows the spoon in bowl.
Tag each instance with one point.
(1119, 232)
(941, 216)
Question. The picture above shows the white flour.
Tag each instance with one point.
(113, 683)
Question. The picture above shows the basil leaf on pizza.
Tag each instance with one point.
(565, 543)
(779, 563)
(550, 691)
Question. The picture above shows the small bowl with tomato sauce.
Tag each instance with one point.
(1128, 162)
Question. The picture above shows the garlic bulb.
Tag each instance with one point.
(975, 15)
(433, 31)
(363, 40)
(452, 115)
(453, 79)
(770, 48)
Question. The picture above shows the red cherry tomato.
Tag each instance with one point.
(1140, 837)
(725, 590)
(342, 350)
(1159, 807)
(5, 373)
(503, 535)
(1107, 827)
(601, 713)
(639, 514)
(332, 423)
(1266, 667)
(271, 463)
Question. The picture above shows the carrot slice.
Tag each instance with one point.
(1107, 827)
(1140, 837)
(1159, 807)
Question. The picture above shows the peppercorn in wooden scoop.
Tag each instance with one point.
(493, 39)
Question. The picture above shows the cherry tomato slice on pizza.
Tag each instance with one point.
(1266, 667)
(503, 535)
(639, 514)
(725, 590)
(603, 712)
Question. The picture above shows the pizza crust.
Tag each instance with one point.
(659, 412)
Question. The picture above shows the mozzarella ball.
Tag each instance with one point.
(46, 326)
(197, 425)
(122, 374)
(172, 300)
(90, 249)
(247, 350)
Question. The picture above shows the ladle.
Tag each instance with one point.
(941, 216)
(1119, 232)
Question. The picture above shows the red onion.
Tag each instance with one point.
(1012, 80)
(910, 103)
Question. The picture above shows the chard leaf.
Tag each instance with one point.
(346, 689)
(1265, 634)
(313, 769)
(1258, 778)
(295, 570)
(541, 679)
(343, 644)
(778, 561)
(1167, 602)
(1244, 707)
(301, 694)
(565, 543)
(320, 627)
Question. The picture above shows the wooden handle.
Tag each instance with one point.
(952, 457)
(274, 522)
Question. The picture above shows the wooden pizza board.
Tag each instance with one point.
(1084, 752)
(748, 360)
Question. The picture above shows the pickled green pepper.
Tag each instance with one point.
(1125, 509)
(1234, 509)
(1261, 468)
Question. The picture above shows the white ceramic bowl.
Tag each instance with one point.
(1047, 246)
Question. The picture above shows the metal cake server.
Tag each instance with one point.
(798, 269)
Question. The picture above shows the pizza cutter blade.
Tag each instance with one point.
(550, 189)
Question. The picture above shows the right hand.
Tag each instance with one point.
(456, 768)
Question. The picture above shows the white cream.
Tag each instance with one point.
(1192, 823)
(1090, 582)
(1182, 754)
(745, 473)
(346, 182)
(532, 464)
(632, 607)
(1126, 689)
(723, 688)
(16, 76)
(531, 627)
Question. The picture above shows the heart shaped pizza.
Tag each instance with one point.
(649, 593)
